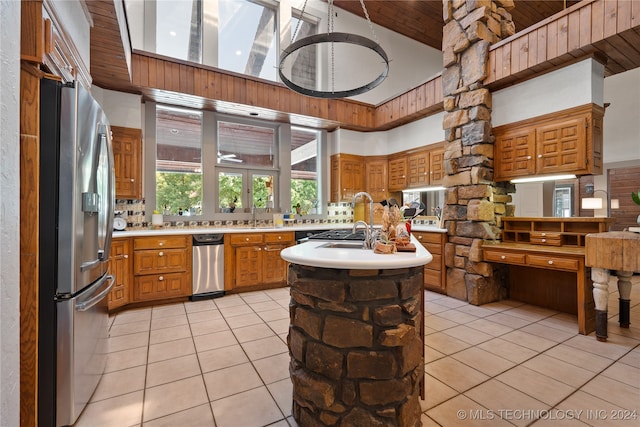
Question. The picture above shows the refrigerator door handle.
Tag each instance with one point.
(86, 305)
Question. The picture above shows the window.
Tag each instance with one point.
(303, 68)
(304, 169)
(247, 166)
(178, 161)
(179, 29)
(247, 38)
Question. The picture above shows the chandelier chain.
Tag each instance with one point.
(295, 33)
(366, 15)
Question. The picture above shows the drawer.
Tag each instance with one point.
(279, 237)
(159, 261)
(544, 238)
(504, 256)
(436, 264)
(433, 248)
(432, 278)
(428, 237)
(161, 242)
(552, 262)
(246, 238)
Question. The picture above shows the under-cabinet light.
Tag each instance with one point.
(416, 190)
(542, 178)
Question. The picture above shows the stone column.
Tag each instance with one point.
(355, 341)
(474, 203)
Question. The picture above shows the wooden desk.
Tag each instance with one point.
(550, 276)
(614, 250)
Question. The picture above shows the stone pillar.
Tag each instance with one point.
(474, 204)
(355, 341)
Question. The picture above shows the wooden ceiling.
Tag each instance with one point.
(421, 20)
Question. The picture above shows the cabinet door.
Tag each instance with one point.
(161, 286)
(248, 266)
(376, 179)
(515, 154)
(352, 177)
(418, 170)
(274, 267)
(397, 174)
(436, 167)
(127, 156)
(335, 179)
(561, 147)
(120, 268)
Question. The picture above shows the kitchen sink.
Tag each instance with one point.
(342, 245)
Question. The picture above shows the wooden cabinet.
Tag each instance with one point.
(120, 268)
(252, 260)
(418, 169)
(376, 179)
(397, 173)
(127, 156)
(435, 271)
(569, 141)
(436, 166)
(347, 176)
(161, 267)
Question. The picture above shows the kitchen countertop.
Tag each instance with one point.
(229, 230)
(313, 255)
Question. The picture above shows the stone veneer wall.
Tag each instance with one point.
(355, 340)
(474, 204)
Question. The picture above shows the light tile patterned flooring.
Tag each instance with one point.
(224, 363)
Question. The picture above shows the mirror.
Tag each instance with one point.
(546, 199)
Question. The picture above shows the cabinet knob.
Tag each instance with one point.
(161, 278)
(544, 240)
(550, 262)
(528, 157)
(539, 156)
(160, 253)
(161, 244)
(503, 257)
(246, 239)
(258, 249)
(544, 234)
(133, 180)
(419, 237)
(279, 237)
(125, 256)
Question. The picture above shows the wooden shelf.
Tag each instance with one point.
(552, 231)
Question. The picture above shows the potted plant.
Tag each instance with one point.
(636, 199)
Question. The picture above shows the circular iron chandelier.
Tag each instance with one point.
(331, 38)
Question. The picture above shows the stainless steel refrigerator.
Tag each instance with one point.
(75, 225)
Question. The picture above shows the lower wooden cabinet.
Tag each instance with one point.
(120, 269)
(435, 271)
(161, 268)
(253, 259)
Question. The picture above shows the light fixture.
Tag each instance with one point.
(596, 202)
(542, 178)
(331, 38)
(591, 203)
(419, 190)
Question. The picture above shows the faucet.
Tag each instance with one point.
(253, 216)
(368, 243)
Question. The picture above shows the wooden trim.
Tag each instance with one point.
(32, 36)
(29, 244)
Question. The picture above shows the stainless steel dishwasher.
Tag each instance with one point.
(208, 266)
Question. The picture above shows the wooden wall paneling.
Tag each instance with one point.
(573, 31)
(495, 73)
(523, 52)
(532, 49)
(404, 105)
(562, 36)
(159, 66)
(144, 71)
(622, 182)
(585, 26)
(437, 85)
(153, 74)
(541, 35)
(610, 17)
(506, 60)
(624, 15)
(597, 21)
(552, 40)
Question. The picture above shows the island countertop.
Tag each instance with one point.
(312, 254)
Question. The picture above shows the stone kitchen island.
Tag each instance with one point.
(356, 334)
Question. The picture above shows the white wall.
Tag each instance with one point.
(576, 84)
(9, 213)
(622, 117)
(122, 109)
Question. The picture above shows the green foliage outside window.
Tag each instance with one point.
(305, 193)
(230, 188)
(179, 191)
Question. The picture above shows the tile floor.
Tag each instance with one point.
(224, 363)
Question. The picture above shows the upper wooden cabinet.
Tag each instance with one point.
(127, 155)
(436, 166)
(376, 178)
(425, 167)
(347, 176)
(569, 141)
(398, 173)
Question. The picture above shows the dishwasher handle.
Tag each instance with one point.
(208, 239)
